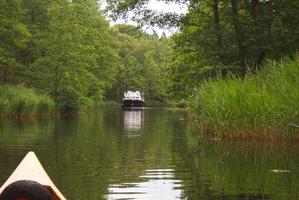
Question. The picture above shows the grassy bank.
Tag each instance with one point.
(263, 105)
(17, 100)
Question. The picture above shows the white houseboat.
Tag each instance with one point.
(133, 99)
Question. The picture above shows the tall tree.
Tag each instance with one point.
(217, 23)
(239, 34)
(77, 59)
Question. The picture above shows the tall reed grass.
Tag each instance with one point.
(16, 100)
(265, 104)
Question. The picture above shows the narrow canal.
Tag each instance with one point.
(150, 154)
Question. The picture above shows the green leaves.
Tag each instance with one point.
(13, 38)
(143, 63)
(67, 49)
(76, 56)
(61, 48)
(219, 38)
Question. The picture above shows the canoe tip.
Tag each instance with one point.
(31, 153)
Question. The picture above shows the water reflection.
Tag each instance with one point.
(156, 184)
(88, 157)
(133, 120)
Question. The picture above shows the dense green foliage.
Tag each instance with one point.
(268, 101)
(66, 49)
(232, 36)
(221, 39)
(17, 99)
(144, 61)
(221, 36)
(58, 50)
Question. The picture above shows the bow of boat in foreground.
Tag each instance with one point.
(29, 171)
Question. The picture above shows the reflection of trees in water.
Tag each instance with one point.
(220, 170)
(103, 156)
(87, 154)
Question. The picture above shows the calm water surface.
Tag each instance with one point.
(150, 154)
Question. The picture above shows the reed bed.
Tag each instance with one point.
(264, 105)
(19, 102)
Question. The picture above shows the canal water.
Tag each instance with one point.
(150, 154)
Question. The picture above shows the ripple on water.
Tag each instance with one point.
(156, 184)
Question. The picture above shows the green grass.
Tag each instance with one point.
(259, 105)
(15, 100)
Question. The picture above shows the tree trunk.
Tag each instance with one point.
(239, 35)
(217, 23)
(3, 74)
(259, 38)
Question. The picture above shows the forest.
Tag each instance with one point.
(67, 51)
(230, 58)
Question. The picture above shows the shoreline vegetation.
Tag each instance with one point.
(259, 106)
(18, 102)
(72, 59)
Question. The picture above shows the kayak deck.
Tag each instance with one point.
(30, 168)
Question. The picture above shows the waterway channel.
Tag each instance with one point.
(150, 154)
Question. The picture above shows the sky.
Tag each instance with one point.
(160, 7)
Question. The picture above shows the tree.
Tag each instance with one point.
(13, 38)
(219, 37)
(76, 58)
(143, 63)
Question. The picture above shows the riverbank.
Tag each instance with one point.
(20, 102)
(149, 103)
(265, 105)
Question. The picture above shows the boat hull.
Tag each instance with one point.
(133, 104)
